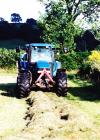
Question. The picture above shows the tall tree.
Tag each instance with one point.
(87, 42)
(58, 27)
(58, 23)
(2, 19)
(16, 18)
(96, 29)
(74, 8)
(31, 21)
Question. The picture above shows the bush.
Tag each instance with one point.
(7, 58)
(73, 60)
(94, 60)
(91, 67)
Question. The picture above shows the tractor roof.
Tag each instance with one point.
(40, 44)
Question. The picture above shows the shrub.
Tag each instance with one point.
(94, 60)
(68, 61)
(7, 58)
(91, 67)
(73, 60)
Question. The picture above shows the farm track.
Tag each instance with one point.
(41, 116)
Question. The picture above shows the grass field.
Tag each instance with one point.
(81, 94)
(86, 97)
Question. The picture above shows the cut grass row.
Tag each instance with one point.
(84, 96)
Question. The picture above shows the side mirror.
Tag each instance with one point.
(18, 49)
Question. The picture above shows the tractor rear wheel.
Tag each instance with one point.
(61, 83)
(23, 85)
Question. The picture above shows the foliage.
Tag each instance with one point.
(29, 31)
(73, 60)
(96, 28)
(86, 42)
(92, 63)
(94, 60)
(59, 22)
(91, 68)
(58, 26)
(31, 21)
(2, 19)
(95, 55)
(7, 58)
(16, 18)
(88, 8)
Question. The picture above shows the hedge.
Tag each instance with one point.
(70, 61)
(73, 60)
(7, 58)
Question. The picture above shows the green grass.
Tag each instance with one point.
(81, 94)
(86, 97)
(82, 89)
(12, 71)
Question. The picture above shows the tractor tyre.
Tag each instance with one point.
(23, 85)
(61, 83)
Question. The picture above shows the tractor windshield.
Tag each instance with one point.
(41, 53)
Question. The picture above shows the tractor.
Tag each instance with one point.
(37, 67)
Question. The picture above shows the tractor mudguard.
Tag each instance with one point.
(57, 65)
(23, 65)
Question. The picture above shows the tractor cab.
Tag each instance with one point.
(42, 55)
(41, 52)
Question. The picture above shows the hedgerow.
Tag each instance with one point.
(73, 60)
(7, 58)
(70, 61)
(91, 68)
(94, 60)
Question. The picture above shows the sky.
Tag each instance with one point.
(26, 9)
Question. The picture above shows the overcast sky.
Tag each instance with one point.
(26, 9)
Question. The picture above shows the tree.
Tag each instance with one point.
(5, 30)
(74, 8)
(31, 21)
(96, 29)
(16, 18)
(58, 26)
(29, 33)
(87, 42)
(58, 23)
(2, 19)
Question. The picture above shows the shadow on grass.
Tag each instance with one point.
(8, 89)
(89, 93)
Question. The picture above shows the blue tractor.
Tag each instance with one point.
(38, 67)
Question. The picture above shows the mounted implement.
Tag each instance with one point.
(38, 67)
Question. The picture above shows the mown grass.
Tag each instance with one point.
(83, 89)
(86, 97)
(6, 71)
(81, 94)
(11, 116)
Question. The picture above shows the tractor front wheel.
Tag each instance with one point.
(61, 83)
